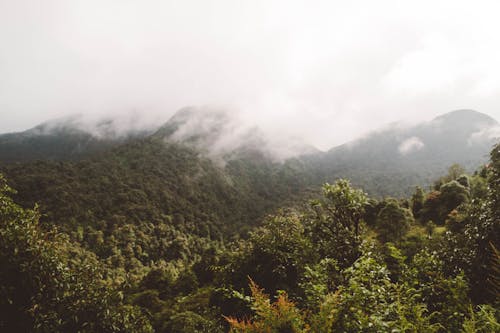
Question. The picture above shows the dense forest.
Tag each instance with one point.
(249, 166)
(105, 245)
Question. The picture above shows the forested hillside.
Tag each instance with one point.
(153, 237)
(394, 160)
(391, 161)
(165, 194)
(249, 166)
(64, 139)
(181, 233)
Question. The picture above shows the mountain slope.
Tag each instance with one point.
(392, 161)
(63, 139)
(224, 136)
(152, 182)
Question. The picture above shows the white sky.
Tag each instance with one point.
(327, 71)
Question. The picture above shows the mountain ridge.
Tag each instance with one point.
(389, 161)
(407, 156)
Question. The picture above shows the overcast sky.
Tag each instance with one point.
(327, 71)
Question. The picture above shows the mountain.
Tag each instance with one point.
(224, 136)
(187, 181)
(389, 161)
(165, 197)
(165, 194)
(147, 224)
(68, 138)
(393, 160)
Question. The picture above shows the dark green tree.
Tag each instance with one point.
(474, 232)
(48, 284)
(334, 223)
(393, 222)
(439, 204)
(446, 296)
(454, 172)
(417, 201)
(275, 255)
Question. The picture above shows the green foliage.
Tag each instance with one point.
(275, 255)
(149, 200)
(455, 171)
(393, 222)
(282, 316)
(371, 302)
(445, 296)
(188, 322)
(319, 280)
(154, 237)
(417, 201)
(334, 223)
(366, 298)
(483, 320)
(372, 208)
(494, 182)
(394, 260)
(453, 194)
(467, 247)
(50, 284)
(439, 204)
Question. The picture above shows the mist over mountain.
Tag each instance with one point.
(181, 196)
(224, 135)
(389, 161)
(249, 166)
(68, 138)
(393, 160)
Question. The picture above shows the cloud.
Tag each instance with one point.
(220, 133)
(111, 126)
(410, 145)
(325, 72)
(485, 135)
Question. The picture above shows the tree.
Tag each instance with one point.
(371, 210)
(464, 180)
(494, 182)
(275, 255)
(393, 222)
(333, 223)
(370, 302)
(439, 204)
(454, 172)
(188, 322)
(445, 295)
(474, 232)
(453, 194)
(48, 284)
(417, 201)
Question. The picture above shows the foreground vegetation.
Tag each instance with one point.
(343, 262)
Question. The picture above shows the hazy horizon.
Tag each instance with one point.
(326, 72)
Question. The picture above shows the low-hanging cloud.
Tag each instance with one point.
(410, 145)
(221, 133)
(485, 135)
(326, 71)
(104, 127)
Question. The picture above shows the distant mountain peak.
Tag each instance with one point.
(222, 134)
(466, 115)
(404, 156)
(66, 138)
(196, 125)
